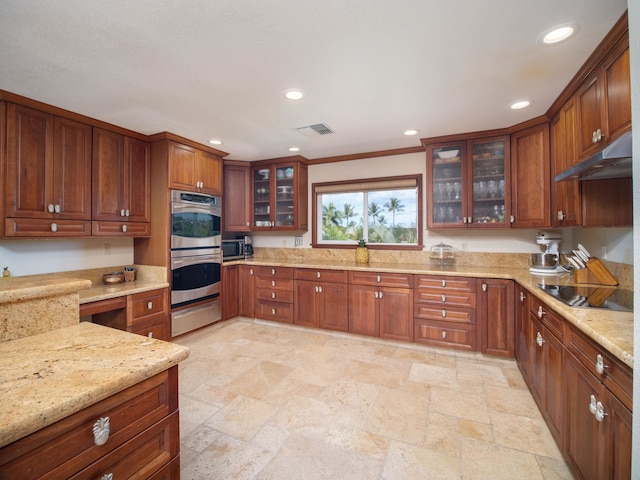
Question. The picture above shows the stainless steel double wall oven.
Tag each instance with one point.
(195, 260)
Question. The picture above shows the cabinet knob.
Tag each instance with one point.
(444, 314)
(464, 219)
(600, 413)
(150, 334)
(107, 476)
(378, 279)
(101, 430)
(597, 136)
(319, 289)
(380, 295)
(273, 271)
(273, 311)
(540, 312)
(317, 274)
(122, 212)
(539, 340)
(600, 366)
(273, 283)
(444, 298)
(56, 208)
(247, 224)
(444, 283)
(273, 294)
(444, 334)
(522, 296)
(375, 294)
(54, 227)
(512, 219)
(50, 208)
(124, 228)
(561, 215)
(251, 271)
(469, 219)
(149, 305)
(593, 405)
(126, 213)
(484, 287)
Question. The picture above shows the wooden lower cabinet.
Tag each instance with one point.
(496, 317)
(246, 290)
(522, 323)
(320, 299)
(274, 293)
(230, 304)
(445, 311)
(381, 305)
(144, 437)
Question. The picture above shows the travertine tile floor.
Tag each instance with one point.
(261, 400)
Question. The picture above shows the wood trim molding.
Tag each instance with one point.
(158, 137)
(359, 156)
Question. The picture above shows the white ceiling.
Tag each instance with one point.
(370, 69)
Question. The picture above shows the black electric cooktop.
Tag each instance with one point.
(583, 296)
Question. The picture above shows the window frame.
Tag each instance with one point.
(315, 231)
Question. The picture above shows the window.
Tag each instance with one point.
(385, 212)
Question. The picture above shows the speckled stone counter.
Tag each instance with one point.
(47, 377)
(611, 329)
(35, 304)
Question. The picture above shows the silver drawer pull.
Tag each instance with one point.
(378, 279)
(273, 271)
(149, 305)
(600, 366)
(101, 431)
(126, 213)
(273, 311)
(484, 287)
(50, 208)
(124, 228)
(444, 283)
(540, 312)
(319, 289)
(273, 283)
(444, 334)
(522, 296)
(593, 405)
(317, 274)
(107, 476)
(444, 298)
(444, 313)
(54, 227)
(150, 334)
(600, 413)
(273, 294)
(539, 340)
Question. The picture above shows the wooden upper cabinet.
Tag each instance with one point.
(279, 195)
(530, 177)
(237, 197)
(604, 102)
(566, 208)
(121, 178)
(192, 169)
(48, 166)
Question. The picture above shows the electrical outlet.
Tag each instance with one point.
(298, 241)
(463, 246)
(107, 248)
(603, 252)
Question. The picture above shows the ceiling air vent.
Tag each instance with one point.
(317, 129)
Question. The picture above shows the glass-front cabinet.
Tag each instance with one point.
(279, 192)
(468, 183)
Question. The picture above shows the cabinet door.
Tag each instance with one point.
(182, 166)
(29, 162)
(490, 188)
(496, 318)
(522, 325)
(587, 443)
(396, 313)
(536, 361)
(108, 174)
(620, 421)
(363, 310)
(72, 169)
(566, 208)
(306, 300)
(261, 197)
(530, 178)
(247, 291)
(137, 183)
(446, 180)
(590, 117)
(607, 202)
(210, 173)
(617, 92)
(333, 311)
(230, 303)
(556, 394)
(237, 207)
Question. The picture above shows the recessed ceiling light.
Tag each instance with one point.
(294, 149)
(557, 34)
(519, 105)
(213, 141)
(411, 132)
(293, 94)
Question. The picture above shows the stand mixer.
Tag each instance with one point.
(547, 263)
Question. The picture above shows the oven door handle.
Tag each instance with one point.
(186, 261)
(194, 208)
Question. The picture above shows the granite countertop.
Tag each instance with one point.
(47, 377)
(13, 289)
(611, 329)
(98, 291)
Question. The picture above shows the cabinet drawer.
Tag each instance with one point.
(274, 295)
(281, 312)
(274, 272)
(616, 376)
(141, 456)
(66, 447)
(314, 275)
(152, 329)
(455, 315)
(446, 283)
(274, 283)
(445, 298)
(120, 229)
(445, 334)
(146, 305)
(551, 320)
(381, 279)
(33, 227)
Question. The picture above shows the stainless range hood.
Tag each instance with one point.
(614, 161)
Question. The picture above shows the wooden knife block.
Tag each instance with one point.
(595, 273)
